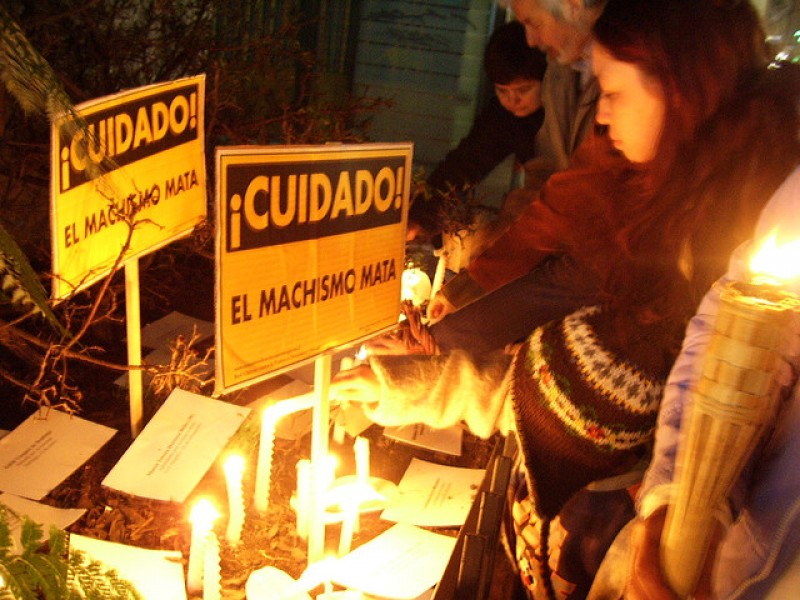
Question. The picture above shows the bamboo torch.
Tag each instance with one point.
(734, 402)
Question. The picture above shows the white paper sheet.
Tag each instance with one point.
(402, 563)
(45, 449)
(419, 435)
(156, 574)
(433, 495)
(37, 512)
(177, 447)
(161, 333)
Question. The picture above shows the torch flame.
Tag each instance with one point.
(775, 263)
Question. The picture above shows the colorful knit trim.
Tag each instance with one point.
(611, 381)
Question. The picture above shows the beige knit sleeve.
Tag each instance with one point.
(440, 391)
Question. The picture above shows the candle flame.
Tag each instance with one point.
(362, 353)
(776, 263)
(203, 514)
(234, 465)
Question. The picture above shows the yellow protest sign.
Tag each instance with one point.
(310, 252)
(139, 158)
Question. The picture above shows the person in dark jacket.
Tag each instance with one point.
(506, 127)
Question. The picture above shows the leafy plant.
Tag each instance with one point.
(48, 570)
(32, 82)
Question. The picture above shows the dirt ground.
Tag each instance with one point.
(268, 539)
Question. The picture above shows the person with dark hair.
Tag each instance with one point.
(562, 29)
(697, 130)
(506, 127)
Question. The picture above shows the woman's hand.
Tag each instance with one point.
(647, 581)
(359, 384)
(439, 308)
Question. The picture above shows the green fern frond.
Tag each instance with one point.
(58, 543)
(18, 280)
(31, 80)
(55, 574)
(5, 534)
(27, 75)
(91, 580)
(30, 537)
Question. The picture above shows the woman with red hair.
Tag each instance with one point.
(696, 131)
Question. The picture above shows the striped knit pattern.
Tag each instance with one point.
(583, 413)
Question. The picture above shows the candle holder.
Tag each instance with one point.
(734, 402)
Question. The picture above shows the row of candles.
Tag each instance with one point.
(203, 573)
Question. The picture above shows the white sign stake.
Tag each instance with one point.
(319, 452)
(133, 324)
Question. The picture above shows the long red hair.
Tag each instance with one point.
(729, 139)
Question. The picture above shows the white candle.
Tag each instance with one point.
(264, 467)
(234, 467)
(328, 472)
(269, 420)
(212, 580)
(361, 449)
(351, 510)
(303, 497)
(202, 519)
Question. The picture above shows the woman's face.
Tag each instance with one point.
(521, 97)
(631, 104)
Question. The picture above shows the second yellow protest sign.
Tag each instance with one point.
(310, 252)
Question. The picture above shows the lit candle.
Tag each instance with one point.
(269, 420)
(323, 474)
(328, 473)
(234, 467)
(303, 497)
(202, 518)
(361, 449)
(351, 513)
(212, 578)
